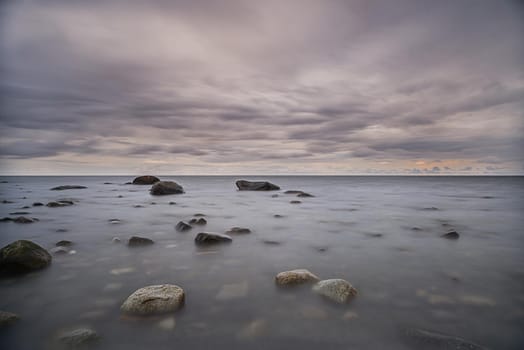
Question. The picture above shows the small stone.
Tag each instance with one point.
(238, 230)
(271, 242)
(7, 318)
(451, 235)
(68, 187)
(116, 240)
(374, 235)
(78, 337)
(24, 220)
(210, 238)
(59, 250)
(182, 226)
(138, 206)
(295, 277)
(172, 203)
(278, 216)
(349, 315)
(64, 243)
(200, 221)
(338, 290)
(154, 300)
(114, 221)
(5, 201)
(136, 241)
(122, 271)
(295, 202)
(167, 324)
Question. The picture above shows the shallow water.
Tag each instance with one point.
(357, 228)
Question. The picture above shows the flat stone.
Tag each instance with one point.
(295, 277)
(136, 241)
(183, 226)
(68, 187)
(338, 290)
(244, 185)
(238, 230)
(154, 300)
(24, 220)
(211, 238)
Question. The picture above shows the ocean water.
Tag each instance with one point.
(382, 234)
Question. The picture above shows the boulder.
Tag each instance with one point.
(295, 277)
(166, 187)
(451, 235)
(200, 221)
(24, 220)
(68, 187)
(61, 203)
(209, 238)
(7, 318)
(244, 185)
(154, 299)
(238, 230)
(338, 290)
(78, 338)
(23, 256)
(182, 226)
(145, 180)
(136, 241)
(37, 204)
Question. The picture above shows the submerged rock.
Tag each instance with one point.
(154, 299)
(433, 340)
(78, 337)
(59, 250)
(233, 291)
(166, 187)
(295, 202)
(7, 318)
(338, 290)
(24, 220)
(304, 194)
(293, 192)
(68, 187)
(6, 219)
(167, 324)
(200, 221)
(37, 204)
(254, 329)
(210, 238)
(20, 213)
(62, 203)
(145, 180)
(244, 185)
(238, 230)
(295, 277)
(23, 256)
(136, 241)
(183, 226)
(64, 243)
(451, 235)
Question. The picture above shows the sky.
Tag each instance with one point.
(261, 87)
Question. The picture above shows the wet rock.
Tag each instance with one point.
(116, 240)
(62, 203)
(295, 277)
(136, 241)
(78, 338)
(5, 201)
(430, 208)
(199, 214)
(23, 256)
(244, 185)
(24, 220)
(114, 221)
(20, 213)
(64, 243)
(7, 318)
(295, 202)
(271, 242)
(6, 219)
(338, 290)
(166, 187)
(416, 229)
(274, 196)
(154, 299)
(62, 230)
(304, 194)
(238, 230)
(200, 221)
(182, 226)
(211, 238)
(59, 250)
(374, 235)
(145, 180)
(424, 339)
(233, 291)
(278, 216)
(108, 183)
(138, 206)
(68, 187)
(293, 192)
(451, 235)
(172, 203)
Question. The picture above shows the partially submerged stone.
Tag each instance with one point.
(23, 256)
(183, 226)
(136, 241)
(7, 318)
(238, 230)
(199, 221)
(244, 185)
(78, 337)
(24, 220)
(165, 188)
(68, 187)
(295, 277)
(154, 299)
(61, 203)
(451, 235)
(59, 250)
(145, 180)
(211, 238)
(338, 290)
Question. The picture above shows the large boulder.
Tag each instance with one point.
(155, 299)
(68, 187)
(244, 185)
(166, 187)
(295, 277)
(338, 290)
(210, 238)
(23, 256)
(145, 180)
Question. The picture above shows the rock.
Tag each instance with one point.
(20, 213)
(59, 204)
(423, 339)
(122, 270)
(295, 202)
(166, 187)
(244, 185)
(182, 226)
(116, 240)
(238, 230)
(199, 214)
(24, 220)
(233, 291)
(172, 203)
(61, 230)
(78, 338)
(304, 194)
(114, 221)
(274, 196)
(278, 216)
(138, 206)
(5, 201)
(136, 241)
(6, 219)
(295, 277)
(154, 300)
(271, 242)
(451, 235)
(293, 192)
(209, 238)
(200, 221)
(430, 208)
(253, 330)
(167, 324)
(145, 180)
(477, 300)
(68, 187)
(7, 318)
(59, 250)
(338, 290)
(23, 256)
(374, 235)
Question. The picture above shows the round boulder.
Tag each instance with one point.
(136, 241)
(23, 256)
(166, 187)
(295, 277)
(338, 290)
(145, 180)
(155, 299)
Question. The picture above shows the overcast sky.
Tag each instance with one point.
(262, 87)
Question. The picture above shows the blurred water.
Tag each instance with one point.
(357, 228)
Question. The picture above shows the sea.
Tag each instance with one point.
(383, 234)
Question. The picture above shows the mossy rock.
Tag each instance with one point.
(23, 256)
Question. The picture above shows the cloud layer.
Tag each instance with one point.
(269, 87)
